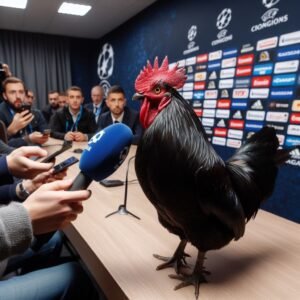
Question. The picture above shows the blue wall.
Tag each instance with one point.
(163, 28)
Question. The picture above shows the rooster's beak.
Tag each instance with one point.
(137, 96)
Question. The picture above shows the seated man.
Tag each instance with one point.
(98, 105)
(119, 112)
(73, 123)
(17, 118)
(62, 99)
(52, 107)
(38, 123)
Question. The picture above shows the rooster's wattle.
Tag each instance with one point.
(197, 195)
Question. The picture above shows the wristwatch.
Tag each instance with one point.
(23, 193)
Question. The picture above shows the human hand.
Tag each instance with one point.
(31, 185)
(21, 166)
(80, 137)
(20, 121)
(6, 70)
(70, 136)
(38, 138)
(51, 207)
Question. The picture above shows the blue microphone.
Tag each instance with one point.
(105, 152)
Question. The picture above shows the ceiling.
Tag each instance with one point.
(41, 16)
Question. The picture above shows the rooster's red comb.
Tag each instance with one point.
(150, 76)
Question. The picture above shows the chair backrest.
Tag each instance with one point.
(3, 132)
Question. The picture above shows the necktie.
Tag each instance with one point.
(116, 122)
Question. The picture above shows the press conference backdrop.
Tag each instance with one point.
(242, 64)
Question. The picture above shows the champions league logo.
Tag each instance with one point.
(105, 66)
(269, 17)
(223, 21)
(192, 33)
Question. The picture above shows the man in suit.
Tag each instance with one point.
(52, 107)
(74, 122)
(20, 123)
(98, 105)
(120, 113)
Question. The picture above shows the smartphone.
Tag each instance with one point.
(111, 182)
(65, 146)
(65, 164)
(46, 131)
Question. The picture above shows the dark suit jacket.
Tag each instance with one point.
(130, 118)
(61, 123)
(48, 112)
(103, 108)
(37, 124)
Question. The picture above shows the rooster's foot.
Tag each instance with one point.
(172, 262)
(177, 261)
(193, 279)
(196, 278)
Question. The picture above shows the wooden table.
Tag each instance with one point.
(264, 264)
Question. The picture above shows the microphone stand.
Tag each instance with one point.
(122, 210)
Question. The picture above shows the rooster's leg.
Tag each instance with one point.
(176, 261)
(196, 278)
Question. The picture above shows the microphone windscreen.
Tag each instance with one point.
(106, 151)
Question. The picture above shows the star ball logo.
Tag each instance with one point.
(191, 35)
(223, 20)
(269, 17)
(105, 66)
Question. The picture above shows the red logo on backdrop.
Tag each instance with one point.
(261, 81)
(202, 58)
(223, 103)
(220, 132)
(200, 85)
(236, 124)
(198, 112)
(295, 118)
(244, 71)
(246, 59)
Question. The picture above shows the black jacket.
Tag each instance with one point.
(61, 123)
(130, 118)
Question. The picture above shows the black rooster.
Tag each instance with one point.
(197, 195)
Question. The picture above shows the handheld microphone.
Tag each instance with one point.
(105, 152)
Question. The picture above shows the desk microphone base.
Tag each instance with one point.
(122, 210)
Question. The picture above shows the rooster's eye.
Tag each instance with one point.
(157, 90)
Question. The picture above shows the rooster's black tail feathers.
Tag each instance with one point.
(253, 169)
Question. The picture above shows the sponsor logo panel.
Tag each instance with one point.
(236, 124)
(288, 53)
(235, 134)
(253, 126)
(232, 143)
(281, 117)
(200, 85)
(240, 93)
(242, 82)
(261, 81)
(225, 83)
(294, 130)
(255, 115)
(286, 66)
(267, 43)
(223, 103)
(282, 93)
(259, 93)
(296, 105)
(279, 105)
(263, 69)
(289, 38)
(220, 132)
(295, 118)
(208, 122)
(219, 141)
(239, 104)
(243, 71)
(246, 59)
(284, 80)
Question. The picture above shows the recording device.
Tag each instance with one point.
(65, 146)
(105, 152)
(46, 131)
(65, 164)
(24, 107)
(111, 182)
